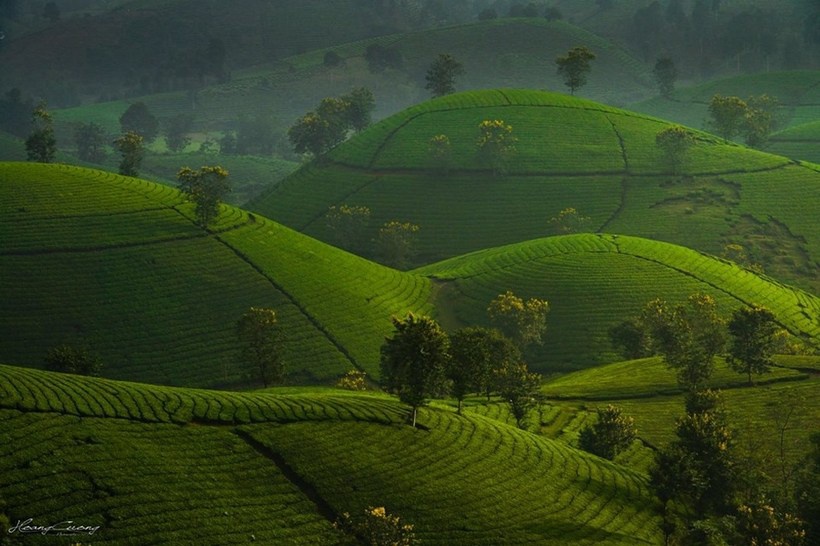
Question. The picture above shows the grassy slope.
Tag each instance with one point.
(163, 464)
(798, 142)
(570, 153)
(117, 263)
(594, 281)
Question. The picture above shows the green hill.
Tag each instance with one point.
(798, 142)
(117, 263)
(570, 152)
(594, 282)
(798, 92)
(159, 464)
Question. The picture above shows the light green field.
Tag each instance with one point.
(570, 153)
(117, 263)
(158, 464)
(594, 282)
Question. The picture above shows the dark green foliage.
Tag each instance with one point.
(376, 527)
(15, 113)
(360, 105)
(631, 339)
(132, 151)
(728, 115)
(51, 12)
(414, 360)
(442, 74)
(176, 132)
(688, 336)
(91, 141)
(520, 388)
(332, 59)
(574, 67)
(487, 14)
(41, 145)
(753, 332)
(73, 359)
(206, 187)
(258, 331)
(808, 492)
(379, 58)
(349, 225)
(553, 14)
(525, 322)
(139, 119)
(612, 433)
(253, 136)
(319, 131)
(476, 354)
(674, 143)
(665, 73)
(396, 243)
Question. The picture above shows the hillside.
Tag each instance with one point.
(116, 263)
(570, 152)
(594, 282)
(798, 142)
(159, 464)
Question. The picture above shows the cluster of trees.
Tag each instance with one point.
(421, 361)
(690, 335)
(754, 118)
(495, 146)
(394, 243)
(322, 129)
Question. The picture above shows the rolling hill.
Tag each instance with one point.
(798, 142)
(594, 282)
(117, 263)
(160, 464)
(570, 152)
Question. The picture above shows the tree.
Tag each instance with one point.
(553, 14)
(51, 12)
(353, 380)
(360, 105)
(760, 119)
(574, 67)
(442, 74)
(760, 522)
(666, 74)
(67, 358)
(569, 220)
(377, 527)
(522, 321)
(90, 139)
(319, 131)
(41, 145)
(349, 225)
(728, 115)
(139, 119)
(612, 433)
(440, 152)
(753, 332)
(205, 187)
(130, 147)
(631, 339)
(332, 59)
(476, 353)
(258, 331)
(414, 359)
(379, 58)
(176, 132)
(395, 243)
(688, 336)
(15, 113)
(520, 388)
(674, 143)
(495, 143)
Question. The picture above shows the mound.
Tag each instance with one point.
(594, 282)
(222, 468)
(117, 263)
(570, 152)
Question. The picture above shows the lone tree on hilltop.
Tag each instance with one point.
(205, 187)
(569, 220)
(139, 119)
(574, 67)
(396, 242)
(258, 330)
(90, 139)
(377, 527)
(130, 147)
(41, 145)
(666, 74)
(414, 359)
(753, 337)
(360, 104)
(612, 433)
(674, 143)
(476, 354)
(522, 321)
(688, 336)
(442, 74)
(67, 358)
(319, 131)
(349, 225)
(496, 143)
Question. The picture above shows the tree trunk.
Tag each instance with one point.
(415, 410)
(459, 406)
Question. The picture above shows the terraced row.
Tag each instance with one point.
(552, 495)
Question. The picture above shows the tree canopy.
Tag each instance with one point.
(442, 74)
(575, 66)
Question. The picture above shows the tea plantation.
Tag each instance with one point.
(160, 464)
